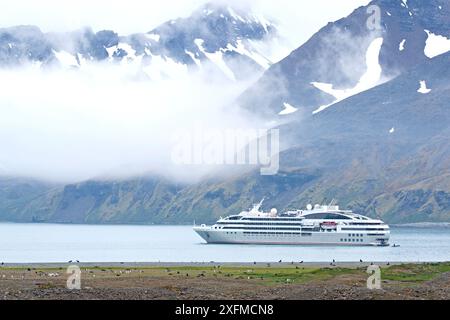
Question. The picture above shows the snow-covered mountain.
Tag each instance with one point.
(374, 44)
(215, 36)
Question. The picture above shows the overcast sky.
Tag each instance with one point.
(300, 18)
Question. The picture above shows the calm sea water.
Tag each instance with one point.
(22, 243)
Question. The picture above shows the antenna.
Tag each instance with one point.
(258, 206)
(332, 202)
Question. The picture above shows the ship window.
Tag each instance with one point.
(327, 216)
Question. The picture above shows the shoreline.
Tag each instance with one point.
(138, 265)
(232, 281)
(441, 225)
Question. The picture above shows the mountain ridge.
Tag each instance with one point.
(172, 48)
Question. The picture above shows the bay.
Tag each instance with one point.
(46, 243)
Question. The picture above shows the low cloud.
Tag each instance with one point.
(108, 120)
(103, 121)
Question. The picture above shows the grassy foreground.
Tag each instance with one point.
(262, 281)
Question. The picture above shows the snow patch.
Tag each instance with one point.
(255, 56)
(194, 58)
(436, 45)
(235, 15)
(153, 36)
(66, 59)
(288, 109)
(128, 49)
(423, 88)
(401, 47)
(111, 51)
(208, 11)
(216, 58)
(368, 80)
(263, 21)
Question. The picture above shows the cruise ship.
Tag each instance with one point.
(318, 225)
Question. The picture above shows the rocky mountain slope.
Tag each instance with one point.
(353, 54)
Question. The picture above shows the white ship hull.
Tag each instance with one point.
(321, 225)
(218, 236)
